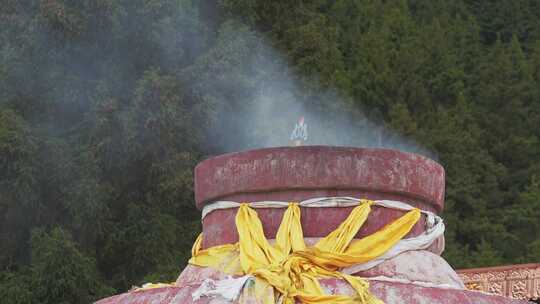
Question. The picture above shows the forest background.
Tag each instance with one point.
(106, 106)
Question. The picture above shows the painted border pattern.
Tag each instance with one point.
(513, 281)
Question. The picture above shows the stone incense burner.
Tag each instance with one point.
(301, 173)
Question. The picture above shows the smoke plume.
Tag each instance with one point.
(261, 104)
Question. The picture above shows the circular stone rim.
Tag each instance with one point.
(317, 168)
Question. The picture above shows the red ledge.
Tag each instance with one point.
(311, 169)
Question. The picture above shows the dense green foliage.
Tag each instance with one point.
(107, 105)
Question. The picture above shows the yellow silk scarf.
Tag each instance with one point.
(290, 268)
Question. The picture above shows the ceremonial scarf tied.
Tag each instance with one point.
(287, 270)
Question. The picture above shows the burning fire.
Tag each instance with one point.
(300, 134)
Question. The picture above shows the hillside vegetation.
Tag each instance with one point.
(107, 105)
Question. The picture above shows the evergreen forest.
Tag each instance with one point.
(106, 106)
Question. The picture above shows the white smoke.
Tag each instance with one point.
(270, 98)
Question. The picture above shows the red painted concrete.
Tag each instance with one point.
(265, 173)
(293, 174)
(416, 266)
(216, 225)
(390, 293)
(299, 173)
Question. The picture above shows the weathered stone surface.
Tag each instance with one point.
(219, 226)
(298, 173)
(295, 174)
(389, 292)
(417, 266)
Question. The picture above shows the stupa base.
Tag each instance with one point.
(389, 292)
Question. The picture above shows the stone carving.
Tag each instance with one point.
(517, 281)
(519, 290)
(496, 288)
